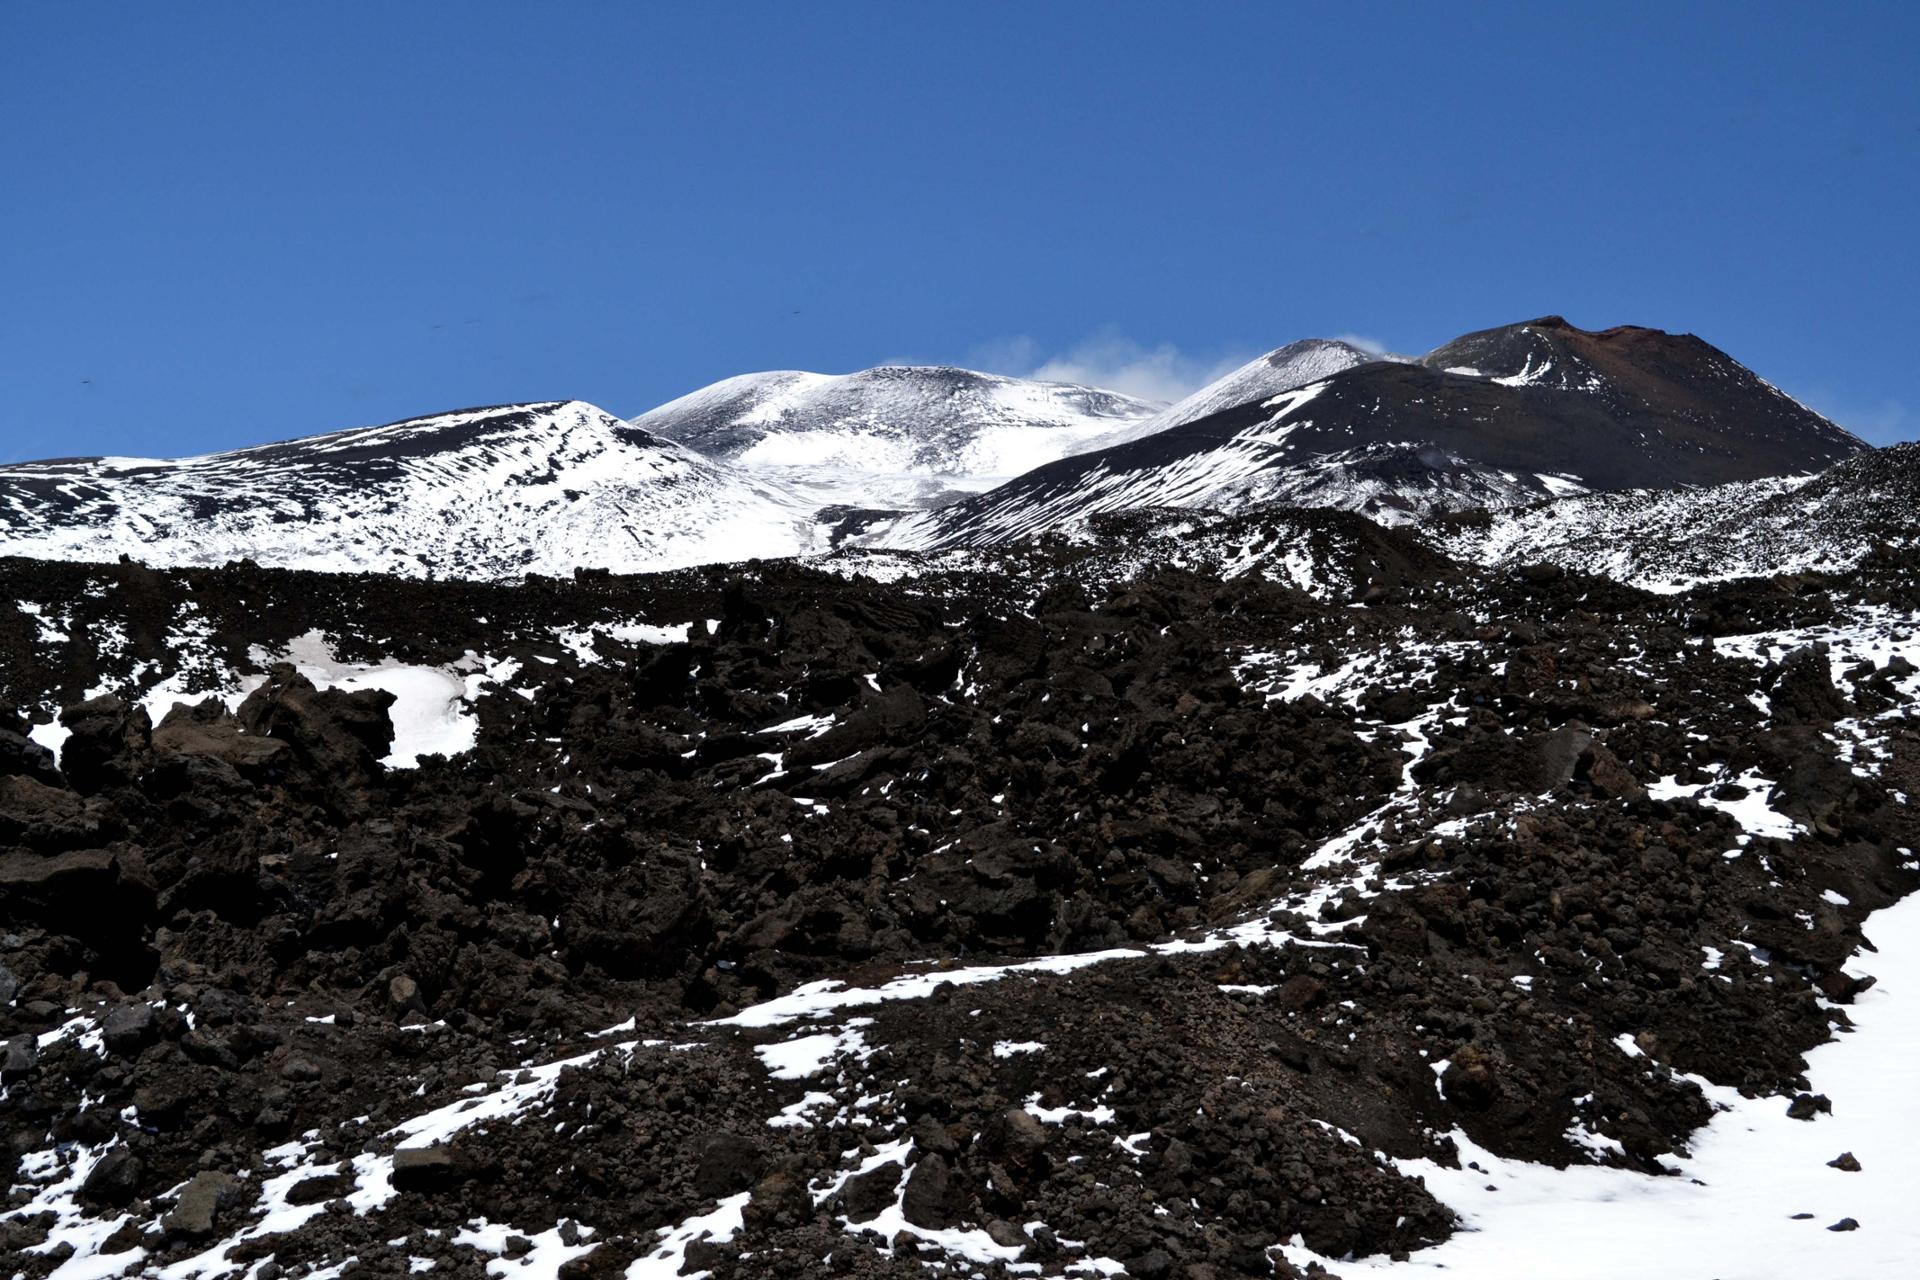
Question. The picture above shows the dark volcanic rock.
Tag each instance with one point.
(425, 1168)
(933, 1198)
(129, 1029)
(204, 1197)
(1411, 829)
(115, 1179)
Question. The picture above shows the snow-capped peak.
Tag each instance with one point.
(903, 435)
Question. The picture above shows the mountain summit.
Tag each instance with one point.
(896, 435)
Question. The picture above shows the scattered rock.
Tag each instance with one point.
(1806, 1106)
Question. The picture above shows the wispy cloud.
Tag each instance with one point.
(1111, 360)
(1372, 346)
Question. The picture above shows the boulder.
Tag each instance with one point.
(208, 731)
(114, 1180)
(18, 1055)
(46, 818)
(934, 1198)
(729, 1162)
(778, 1200)
(867, 1195)
(128, 1029)
(86, 892)
(109, 743)
(198, 1203)
(425, 1168)
(22, 757)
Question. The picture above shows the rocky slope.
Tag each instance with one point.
(1175, 895)
(893, 436)
(1665, 540)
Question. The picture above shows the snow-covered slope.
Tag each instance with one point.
(893, 436)
(1638, 408)
(1282, 369)
(481, 493)
(1670, 540)
(1230, 471)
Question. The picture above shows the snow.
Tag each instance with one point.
(721, 1223)
(811, 725)
(1671, 540)
(1754, 813)
(972, 1244)
(1560, 485)
(1260, 465)
(57, 1194)
(1729, 1209)
(817, 999)
(1098, 1115)
(52, 735)
(805, 1056)
(543, 1261)
(579, 641)
(46, 631)
(893, 436)
(1528, 375)
(430, 713)
(493, 494)
(1230, 475)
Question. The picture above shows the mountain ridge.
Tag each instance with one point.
(1668, 412)
(788, 463)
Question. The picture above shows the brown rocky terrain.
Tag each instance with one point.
(1023, 916)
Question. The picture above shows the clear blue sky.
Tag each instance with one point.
(225, 222)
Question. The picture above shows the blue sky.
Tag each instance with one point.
(227, 223)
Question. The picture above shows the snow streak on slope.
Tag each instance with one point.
(1280, 370)
(890, 436)
(483, 493)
